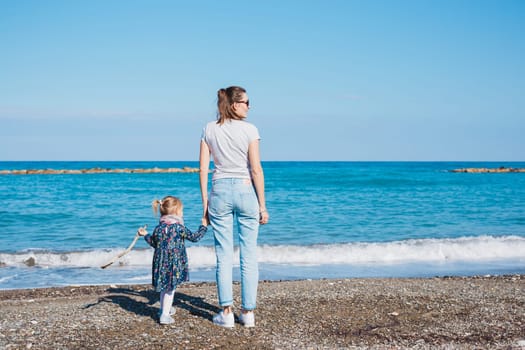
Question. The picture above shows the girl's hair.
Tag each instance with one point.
(168, 205)
(225, 100)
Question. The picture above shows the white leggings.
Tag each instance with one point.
(166, 300)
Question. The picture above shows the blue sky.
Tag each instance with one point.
(327, 80)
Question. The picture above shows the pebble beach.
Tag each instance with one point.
(485, 312)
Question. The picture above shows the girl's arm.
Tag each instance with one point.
(258, 179)
(151, 238)
(193, 236)
(204, 167)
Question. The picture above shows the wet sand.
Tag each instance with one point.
(413, 313)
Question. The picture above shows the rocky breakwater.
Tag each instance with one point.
(501, 169)
(97, 171)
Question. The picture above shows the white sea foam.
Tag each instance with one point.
(7, 278)
(467, 249)
(464, 249)
(140, 278)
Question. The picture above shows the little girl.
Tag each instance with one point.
(170, 261)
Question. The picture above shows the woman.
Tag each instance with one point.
(237, 191)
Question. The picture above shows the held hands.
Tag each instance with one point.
(205, 220)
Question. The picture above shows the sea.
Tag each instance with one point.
(327, 220)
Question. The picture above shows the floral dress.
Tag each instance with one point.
(170, 260)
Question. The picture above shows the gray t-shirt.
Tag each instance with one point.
(228, 144)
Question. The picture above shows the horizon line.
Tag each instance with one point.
(275, 161)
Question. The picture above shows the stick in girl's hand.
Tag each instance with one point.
(140, 232)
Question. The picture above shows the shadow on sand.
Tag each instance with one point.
(130, 300)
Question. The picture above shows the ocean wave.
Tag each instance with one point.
(7, 278)
(465, 249)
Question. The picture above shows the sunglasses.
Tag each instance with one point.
(247, 103)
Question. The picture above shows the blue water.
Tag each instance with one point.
(328, 219)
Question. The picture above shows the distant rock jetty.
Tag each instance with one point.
(501, 169)
(98, 171)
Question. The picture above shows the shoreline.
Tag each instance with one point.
(481, 312)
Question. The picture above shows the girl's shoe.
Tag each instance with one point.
(172, 311)
(224, 320)
(247, 319)
(166, 319)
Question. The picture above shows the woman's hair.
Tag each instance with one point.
(168, 205)
(225, 100)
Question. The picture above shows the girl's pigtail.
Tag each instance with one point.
(156, 204)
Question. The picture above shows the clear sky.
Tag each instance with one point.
(327, 80)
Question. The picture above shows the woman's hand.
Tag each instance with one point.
(264, 217)
(205, 220)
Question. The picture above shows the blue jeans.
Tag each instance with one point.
(231, 199)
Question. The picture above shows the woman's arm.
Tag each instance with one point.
(258, 179)
(204, 167)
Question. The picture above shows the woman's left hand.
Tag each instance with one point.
(264, 217)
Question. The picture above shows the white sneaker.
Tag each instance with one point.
(247, 319)
(224, 320)
(166, 319)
